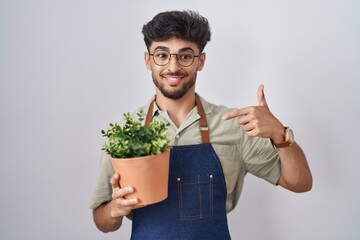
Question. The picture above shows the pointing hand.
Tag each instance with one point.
(258, 121)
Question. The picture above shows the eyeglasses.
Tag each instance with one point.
(184, 58)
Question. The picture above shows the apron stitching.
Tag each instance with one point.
(199, 191)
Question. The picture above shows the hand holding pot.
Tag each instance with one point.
(120, 206)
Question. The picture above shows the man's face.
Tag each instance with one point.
(172, 79)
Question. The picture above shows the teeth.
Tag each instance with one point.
(173, 80)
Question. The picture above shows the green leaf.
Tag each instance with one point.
(134, 139)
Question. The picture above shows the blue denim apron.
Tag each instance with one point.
(195, 207)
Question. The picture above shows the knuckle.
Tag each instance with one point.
(124, 191)
(118, 193)
(114, 196)
(253, 133)
(250, 134)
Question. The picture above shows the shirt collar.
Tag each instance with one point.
(156, 108)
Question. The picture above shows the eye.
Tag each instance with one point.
(161, 55)
(185, 56)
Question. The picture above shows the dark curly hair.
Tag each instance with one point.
(187, 25)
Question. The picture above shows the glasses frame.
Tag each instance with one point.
(177, 58)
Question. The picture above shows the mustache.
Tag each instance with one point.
(177, 73)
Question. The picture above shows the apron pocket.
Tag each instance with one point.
(195, 195)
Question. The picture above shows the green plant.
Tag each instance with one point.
(135, 139)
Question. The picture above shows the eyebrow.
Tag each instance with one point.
(167, 49)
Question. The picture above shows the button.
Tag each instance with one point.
(177, 136)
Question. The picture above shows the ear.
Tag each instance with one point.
(201, 61)
(147, 60)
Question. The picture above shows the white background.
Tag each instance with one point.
(68, 68)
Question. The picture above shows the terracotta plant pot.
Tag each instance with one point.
(148, 176)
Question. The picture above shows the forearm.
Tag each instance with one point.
(103, 219)
(295, 172)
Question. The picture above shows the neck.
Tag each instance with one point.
(177, 109)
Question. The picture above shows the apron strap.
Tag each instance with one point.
(149, 114)
(204, 129)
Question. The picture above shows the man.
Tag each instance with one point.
(213, 146)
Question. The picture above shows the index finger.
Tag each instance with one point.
(236, 113)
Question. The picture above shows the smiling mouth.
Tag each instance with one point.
(173, 80)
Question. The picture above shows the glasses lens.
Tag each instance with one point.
(185, 58)
(161, 57)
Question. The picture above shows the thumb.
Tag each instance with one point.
(115, 181)
(261, 96)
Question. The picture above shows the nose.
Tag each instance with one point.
(173, 64)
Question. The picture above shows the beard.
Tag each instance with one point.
(174, 93)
